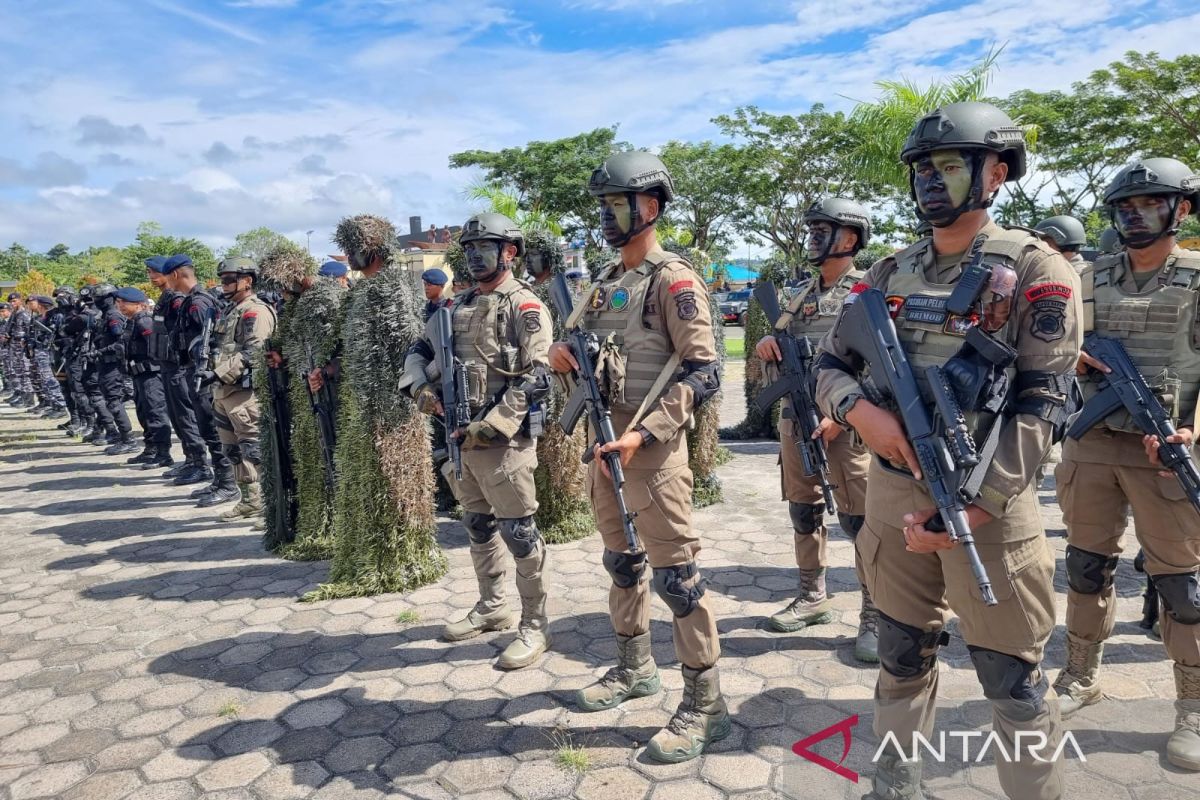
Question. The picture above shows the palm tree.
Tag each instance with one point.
(506, 203)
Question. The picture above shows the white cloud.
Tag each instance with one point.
(208, 21)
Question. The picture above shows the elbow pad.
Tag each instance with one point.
(1059, 408)
(704, 378)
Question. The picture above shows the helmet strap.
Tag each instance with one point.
(820, 259)
(636, 223)
(974, 202)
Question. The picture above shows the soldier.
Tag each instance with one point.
(77, 333)
(958, 158)
(41, 341)
(197, 312)
(56, 320)
(433, 281)
(501, 334)
(837, 229)
(1066, 235)
(336, 271)
(652, 310)
(109, 338)
(149, 396)
(18, 358)
(240, 336)
(5, 380)
(167, 321)
(1146, 297)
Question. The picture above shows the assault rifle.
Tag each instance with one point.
(202, 346)
(796, 384)
(281, 425)
(587, 397)
(944, 449)
(1125, 387)
(323, 409)
(456, 407)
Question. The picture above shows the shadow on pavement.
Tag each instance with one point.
(86, 532)
(237, 582)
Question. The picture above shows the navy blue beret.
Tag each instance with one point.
(333, 269)
(175, 262)
(41, 298)
(434, 277)
(155, 263)
(131, 294)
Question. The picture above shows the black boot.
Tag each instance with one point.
(108, 436)
(30, 400)
(70, 424)
(196, 473)
(94, 432)
(161, 457)
(55, 412)
(144, 457)
(226, 489)
(125, 445)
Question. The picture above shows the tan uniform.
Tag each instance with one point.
(658, 312)
(915, 593)
(240, 334)
(1106, 472)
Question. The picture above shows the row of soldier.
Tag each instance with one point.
(996, 313)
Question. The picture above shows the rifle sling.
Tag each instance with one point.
(655, 389)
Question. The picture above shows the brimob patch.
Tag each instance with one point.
(1049, 320)
(958, 326)
(925, 309)
(685, 305)
(1045, 290)
(532, 320)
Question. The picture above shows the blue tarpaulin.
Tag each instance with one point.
(736, 273)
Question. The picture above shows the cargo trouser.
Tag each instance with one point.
(202, 405)
(74, 369)
(236, 413)
(659, 492)
(1100, 477)
(497, 482)
(151, 405)
(922, 589)
(180, 411)
(848, 464)
(20, 367)
(48, 383)
(111, 380)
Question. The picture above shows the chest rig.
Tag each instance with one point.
(811, 312)
(1157, 324)
(485, 342)
(231, 335)
(622, 310)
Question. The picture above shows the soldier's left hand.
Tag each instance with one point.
(1183, 436)
(478, 435)
(626, 445)
(828, 430)
(207, 376)
(919, 540)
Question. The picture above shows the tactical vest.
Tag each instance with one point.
(228, 332)
(41, 336)
(814, 312)
(1157, 325)
(617, 314)
(160, 337)
(485, 341)
(104, 338)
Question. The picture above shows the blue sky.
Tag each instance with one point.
(214, 117)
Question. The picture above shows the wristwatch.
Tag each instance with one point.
(844, 407)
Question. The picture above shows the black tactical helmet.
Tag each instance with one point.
(67, 290)
(840, 211)
(103, 290)
(1155, 176)
(634, 171)
(1065, 231)
(1110, 241)
(968, 126)
(239, 265)
(497, 227)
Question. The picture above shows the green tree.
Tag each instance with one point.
(787, 162)
(58, 252)
(1166, 95)
(551, 177)
(708, 189)
(255, 243)
(151, 241)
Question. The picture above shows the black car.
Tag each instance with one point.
(733, 307)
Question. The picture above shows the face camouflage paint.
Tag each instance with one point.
(616, 218)
(942, 183)
(483, 258)
(1140, 220)
(820, 240)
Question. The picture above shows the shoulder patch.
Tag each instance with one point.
(679, 286)
(530, 306)
(532, 320)
(250, 315)
(1045, 290)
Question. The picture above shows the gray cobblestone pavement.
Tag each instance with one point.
(149, 651)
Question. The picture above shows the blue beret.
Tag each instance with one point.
(434, 277)
(41, 298)
(155, 263)
(175, 262)
(131, 294)
(333, 269)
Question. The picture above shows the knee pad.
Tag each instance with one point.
(1180, 596)
(480, 527)
(232, 452)
(669, 583)
(901, 648)
(851, 523)
(1007, 682)
(626, 569)
(251, 451)
(521, 536)
(806, 517)
(1089, 573)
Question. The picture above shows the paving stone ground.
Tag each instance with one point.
(149, 651)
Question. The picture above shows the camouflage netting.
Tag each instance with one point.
(312, 339)
(564, 509)
(456, 261)
(384, 532)
(273, 536)
(285, 266)
(704, 454)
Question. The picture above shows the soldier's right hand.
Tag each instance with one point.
(768, 349)
(427, 401)
(561, 358)
(274, 359)
(1086, 361)
(316, 379)
(881, 432)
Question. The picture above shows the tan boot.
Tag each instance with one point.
(1078, 685)
(237, 511)
(1183, 748)
(701, 718)
(250, 505)
(532, 635)
(635, 675)
(811, 606)
(491, 613)
(895, 779)
(866, 644)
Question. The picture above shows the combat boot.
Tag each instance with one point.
(144, 457)
(532, 636)
(635, 675)
(225, 490)
(110, 437)
(1183, 748)
(250, 505)
(195, 473)
(124, 445)
(491, 613)
(895, 779)
(1078, 685)
(701, 718)
(96, 431)
(161, 457)
(55, 412)
(811, 606)
(38, 407)
(866, 644)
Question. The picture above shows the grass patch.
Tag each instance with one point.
(735, 348)
(408, 617)
(229, 710)
(569, 756)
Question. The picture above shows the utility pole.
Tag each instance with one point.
(308, 241)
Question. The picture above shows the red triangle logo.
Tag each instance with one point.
(844, 727)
